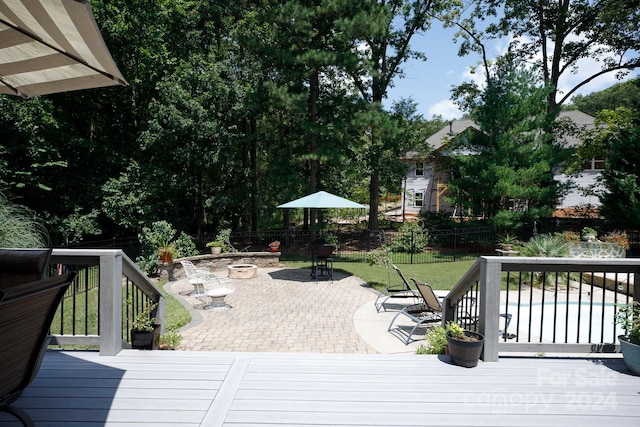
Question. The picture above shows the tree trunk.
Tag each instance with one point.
(254, 175)
(374, 190)
(313, 146)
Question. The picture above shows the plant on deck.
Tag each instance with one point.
(628, 317)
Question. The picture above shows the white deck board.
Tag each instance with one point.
(165, 388)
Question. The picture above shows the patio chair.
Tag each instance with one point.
(216, 290)
(429, 310)
(26, 313)
(22, 265)
(401, 291)
(323, 261)
(195, 277)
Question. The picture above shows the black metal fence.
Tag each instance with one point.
(408, 248)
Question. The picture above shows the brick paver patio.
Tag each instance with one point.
(280, 310)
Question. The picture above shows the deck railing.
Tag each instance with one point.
(100, 305)
(554, 305)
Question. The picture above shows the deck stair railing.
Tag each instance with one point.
(555, 305)
(101, 304)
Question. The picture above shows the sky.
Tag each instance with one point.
(429, 82)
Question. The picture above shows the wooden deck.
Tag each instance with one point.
(179, 388)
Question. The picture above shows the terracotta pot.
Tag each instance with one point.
(166, 257)
(275, 249)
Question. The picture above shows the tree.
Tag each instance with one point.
(505, 171)
(556, 36)
(622, 94)
(618, 134)
(391, 25)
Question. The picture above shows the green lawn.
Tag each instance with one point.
(442, 275)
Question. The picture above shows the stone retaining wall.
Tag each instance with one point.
(215, 262)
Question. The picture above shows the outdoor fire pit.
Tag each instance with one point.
(242, 271)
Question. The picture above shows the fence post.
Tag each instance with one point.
(110, 303)
(490, 272)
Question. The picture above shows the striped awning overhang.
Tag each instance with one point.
(51, 46)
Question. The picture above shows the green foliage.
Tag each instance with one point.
(628, 317)
(162, 236)
(185, 246)
(412, 239)
(507, 239)
(504, 171)
(170, 340)
(435, 341)
(18, 229)
(624, 94)
(620, 198)
(554, 37)
(455, 330)
(380, 256)
(143, 320)
(545, 245)
(332, 239)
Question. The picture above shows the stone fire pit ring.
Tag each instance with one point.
(242, 271)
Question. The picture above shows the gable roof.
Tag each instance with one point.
(456, 127)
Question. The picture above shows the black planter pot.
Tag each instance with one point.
(145, 340)
(465, 353)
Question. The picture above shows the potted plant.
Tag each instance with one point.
(589, 234)
(216, 246)
(620, 238)
(464, 346)
(219, 244)
(275, 246)
(628, 317)
(144, 330)
(167, 252)
(507, 242)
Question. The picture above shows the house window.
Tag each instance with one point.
(418, 200)
(594, 164)
(419, 169)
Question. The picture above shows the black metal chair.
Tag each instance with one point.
(323, 262)
(26, 313)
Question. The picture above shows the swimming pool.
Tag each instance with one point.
(559, 322)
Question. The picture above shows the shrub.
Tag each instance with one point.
(618, 237)
(17, 227)
(435, 341)
(413, 239)
(162, 235)
(545, 245)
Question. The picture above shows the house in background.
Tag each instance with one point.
(425, 184)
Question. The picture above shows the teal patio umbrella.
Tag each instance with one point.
(321, 200)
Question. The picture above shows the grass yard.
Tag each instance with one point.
(82, 317)
(442, 275)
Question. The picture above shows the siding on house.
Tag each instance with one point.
(431, 185)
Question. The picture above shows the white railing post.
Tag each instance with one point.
(111, 303)
(490, 272)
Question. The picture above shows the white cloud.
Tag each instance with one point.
(446, 109)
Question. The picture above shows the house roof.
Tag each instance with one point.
(456, 127)
(440, 138)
